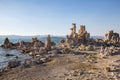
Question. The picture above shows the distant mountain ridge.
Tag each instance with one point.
(97, 37)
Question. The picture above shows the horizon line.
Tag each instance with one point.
(40, 35)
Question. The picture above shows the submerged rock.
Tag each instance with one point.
(13, 64)
(7, 55)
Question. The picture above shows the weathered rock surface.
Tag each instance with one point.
(48, 43)
(111, 37)
(27, 63)
(75, 58)
(76, 39)
(109, 51)
(7, 44)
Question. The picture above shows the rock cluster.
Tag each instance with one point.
(34, 47)
(111, 37)
(107, 51)
(7, 44)
(76, 39)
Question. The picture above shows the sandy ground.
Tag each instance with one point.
(69, 67)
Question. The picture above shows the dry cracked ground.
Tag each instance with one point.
(69, 67)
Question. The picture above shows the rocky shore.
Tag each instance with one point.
(79, 57)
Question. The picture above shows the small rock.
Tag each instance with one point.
(108, 69)
(27, 62)
(43, 60)
(7, 55)
(13, 64)
(40, 60)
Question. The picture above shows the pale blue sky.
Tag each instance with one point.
(41, 17)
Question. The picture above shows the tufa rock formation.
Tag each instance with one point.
(37, 43)
(7, 44)
(82, 37)
(48, 43)
(111, 37)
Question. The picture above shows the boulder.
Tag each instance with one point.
(40, 60)
(27, 63)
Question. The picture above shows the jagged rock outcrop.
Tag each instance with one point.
(38, 44)
(73, 31)
(82, 37)
(48, 43)
(109, 51)
(34, 39)
(7, 44)
(111, 37)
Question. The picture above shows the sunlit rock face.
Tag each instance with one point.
(82, 37)
(48, 43)
(111, 37)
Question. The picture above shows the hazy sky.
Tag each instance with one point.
(41, 17)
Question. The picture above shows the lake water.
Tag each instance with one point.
(21, 57)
